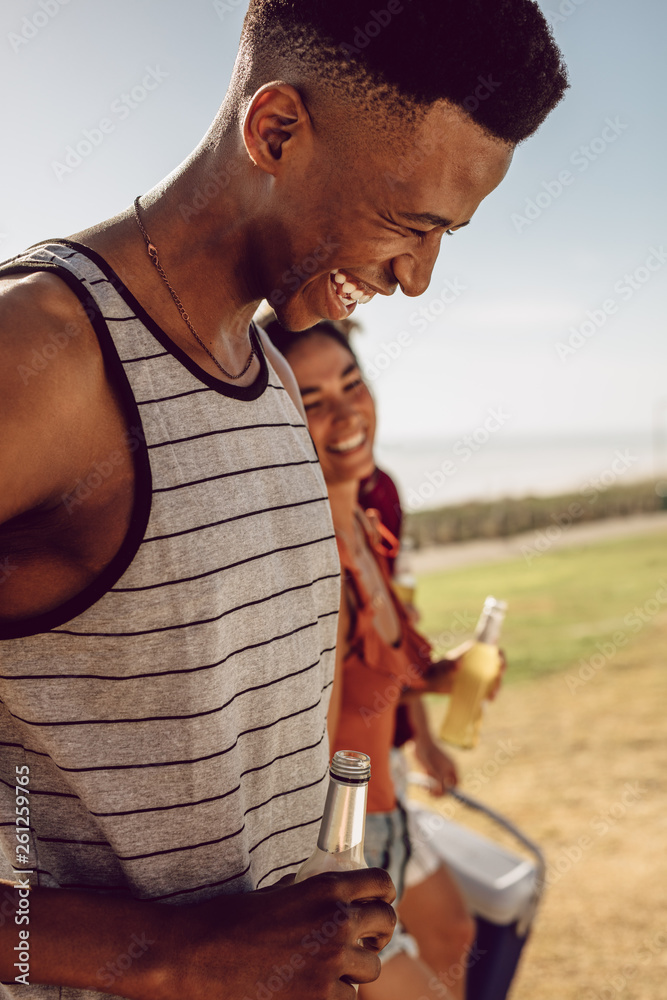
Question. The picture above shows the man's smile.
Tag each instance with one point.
(349, 289)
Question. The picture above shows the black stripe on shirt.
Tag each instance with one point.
(190, 392)
(200, 844)
(210, 756)
(36, 791)
(19, 746)
(198, 888)
(287, 829)
(223, 430)
(146, 357)
(212, 798)
(223, 569)
(174, 718)
(202, 621)
(281, 868)
(236, 517)
(179, 670)
(236, 472)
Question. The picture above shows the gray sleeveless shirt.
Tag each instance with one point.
(171, 719)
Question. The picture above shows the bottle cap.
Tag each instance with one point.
(351, 766)
(492, 603)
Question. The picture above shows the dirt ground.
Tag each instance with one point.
(586, 779)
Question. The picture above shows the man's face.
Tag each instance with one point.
(366, 222)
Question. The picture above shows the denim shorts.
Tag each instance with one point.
(423, 860)
(387, 845)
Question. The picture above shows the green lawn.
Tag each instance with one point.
(560, 605)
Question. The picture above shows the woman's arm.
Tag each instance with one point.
(438, 765)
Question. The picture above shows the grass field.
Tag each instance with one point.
(561, 604)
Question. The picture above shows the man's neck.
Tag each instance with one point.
(200, 222)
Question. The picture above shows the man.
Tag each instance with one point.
(170, 584)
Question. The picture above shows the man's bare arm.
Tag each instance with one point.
(48, 370)
(59, 419)
(307, 934)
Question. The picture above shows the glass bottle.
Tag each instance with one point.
(340, 844)
(404, 581)
(478, 670)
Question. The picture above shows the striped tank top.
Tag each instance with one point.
(171, 719)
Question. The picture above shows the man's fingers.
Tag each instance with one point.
(361, 966)
(372, 924)
(367, 884)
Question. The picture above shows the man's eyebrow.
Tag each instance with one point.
(350, 368)
(428, 218)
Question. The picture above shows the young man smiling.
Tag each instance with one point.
(169, 605)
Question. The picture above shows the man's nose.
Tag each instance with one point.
(413, 270)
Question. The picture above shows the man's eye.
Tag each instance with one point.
(353, 384)
(420, 233)
(311, 406)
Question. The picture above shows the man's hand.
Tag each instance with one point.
(312, 939)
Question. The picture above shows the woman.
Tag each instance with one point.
(384, 659)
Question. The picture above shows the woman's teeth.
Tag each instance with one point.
(343, 446)
(347, 290)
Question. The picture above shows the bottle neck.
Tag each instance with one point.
(344, 816)
(490, 623)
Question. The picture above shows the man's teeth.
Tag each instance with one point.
(348, 445)
(347, 290)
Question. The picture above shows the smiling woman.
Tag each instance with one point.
(341, 414)
(383, 659)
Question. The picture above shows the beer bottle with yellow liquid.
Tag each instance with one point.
(478, 670)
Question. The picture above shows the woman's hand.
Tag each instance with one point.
(497, 684)
(439, 766)
(440, 675)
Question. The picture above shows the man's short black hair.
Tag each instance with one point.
(495, 59)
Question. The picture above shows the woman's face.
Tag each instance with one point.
(339, 407)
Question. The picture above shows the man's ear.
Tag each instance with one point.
(276, 117)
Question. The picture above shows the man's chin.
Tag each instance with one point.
(296, 316)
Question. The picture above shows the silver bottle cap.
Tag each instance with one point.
(491, 621)
(351, 766)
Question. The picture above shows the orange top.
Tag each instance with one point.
(375, 676)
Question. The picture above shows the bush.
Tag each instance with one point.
(511, 516)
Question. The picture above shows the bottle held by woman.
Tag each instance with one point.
(478, 671)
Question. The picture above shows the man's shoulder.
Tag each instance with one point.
(51, 368)
(43, 326)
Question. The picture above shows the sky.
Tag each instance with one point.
(548, 309)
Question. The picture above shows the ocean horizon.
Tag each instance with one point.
(448, 471)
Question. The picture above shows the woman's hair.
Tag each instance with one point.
(284, 340)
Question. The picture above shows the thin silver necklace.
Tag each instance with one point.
(152, 253)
